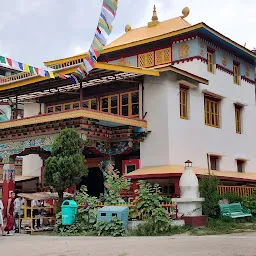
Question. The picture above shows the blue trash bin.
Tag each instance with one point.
(68, 212)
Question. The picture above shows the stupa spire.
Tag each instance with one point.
(154, 19)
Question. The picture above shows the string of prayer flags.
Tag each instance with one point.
(26, 68)
(108, 13)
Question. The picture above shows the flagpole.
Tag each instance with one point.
(81, 94)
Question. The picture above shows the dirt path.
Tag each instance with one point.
(24, 245)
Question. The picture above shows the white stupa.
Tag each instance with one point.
(190, 202)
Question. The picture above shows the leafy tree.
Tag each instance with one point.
(66, 165)
(208, 187)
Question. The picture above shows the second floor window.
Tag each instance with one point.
(129, 105)
(238, 115)
(240, 165)
(109, 104)
(183, 103)
(211, 111)
(210, 62)
(236, 73)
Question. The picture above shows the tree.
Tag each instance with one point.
(208, 187)
(66, 165)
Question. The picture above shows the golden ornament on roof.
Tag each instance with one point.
(128, 28)
(185, 12)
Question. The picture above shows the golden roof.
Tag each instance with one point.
(169, 170)
(153, 29)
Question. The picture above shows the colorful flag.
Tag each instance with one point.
(102, 24)
(25, 68)
(2, 59)
(101, 38)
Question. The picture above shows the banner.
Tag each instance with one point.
(25, 67)
(104, 28)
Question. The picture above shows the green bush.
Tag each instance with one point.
(112, 228)
(250, 203)
(148, 206)
(232, 198)
(208, 190)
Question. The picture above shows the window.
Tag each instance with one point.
(146, 60)
(76, 105)
(58, 108)
(49, 110)
(183, 103)
(236, 73)
(238, 112)
(240, 165)
(109, 104)
(163, 56)
(67, 106)
(210, 61)
(130, 104)
(90, 104)
(211, 111)
(214, 163)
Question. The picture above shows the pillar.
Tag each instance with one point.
(8, 179)
(135, 186)
(176, 187)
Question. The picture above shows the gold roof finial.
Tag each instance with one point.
(185, 12)
(154, 21)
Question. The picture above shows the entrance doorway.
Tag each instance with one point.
(94, 182)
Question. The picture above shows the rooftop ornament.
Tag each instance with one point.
(185, 12)
(154, 21)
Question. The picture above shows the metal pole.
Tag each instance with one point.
(208, 163)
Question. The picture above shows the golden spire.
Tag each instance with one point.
(154, 17)
(154, 21)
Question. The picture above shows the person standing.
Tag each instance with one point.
(18, 213)
(1, 217)
(9, 214)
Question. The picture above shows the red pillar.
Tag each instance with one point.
(8, 179)
(176, 186)
(135, 186)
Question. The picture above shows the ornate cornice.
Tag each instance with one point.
(246, 79)
(218, 66)
(189, 59)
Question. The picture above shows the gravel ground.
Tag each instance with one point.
(27, 245)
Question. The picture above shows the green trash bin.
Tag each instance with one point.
(68, 212)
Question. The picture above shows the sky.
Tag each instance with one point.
(33, 31)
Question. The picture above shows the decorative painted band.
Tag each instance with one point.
(189, 59)
(224, 69)
(248, 80)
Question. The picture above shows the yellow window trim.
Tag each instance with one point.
(210, 62)
(129, 103)
(109, 102)
(236, 73)
(183, 103)
(211, 112)
(238, 119)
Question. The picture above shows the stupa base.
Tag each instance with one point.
(195, 221)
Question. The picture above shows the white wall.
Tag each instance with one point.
(31, 165)
(33, 109)
(192, 139)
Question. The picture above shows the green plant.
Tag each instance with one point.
(112, 228)
(115, 184)
(148, 205)
(208, 190)
(66, 165)
(232, 197)
(250, 203)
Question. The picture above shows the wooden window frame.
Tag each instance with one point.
(129, 103)
(90, 103)
(146, 65)
(211, 107)
(162, 52)
(210, 60)
(109, 103)
(236, 72)
(242, 162)
(217, 163)
(183, 91)
(238, 119)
